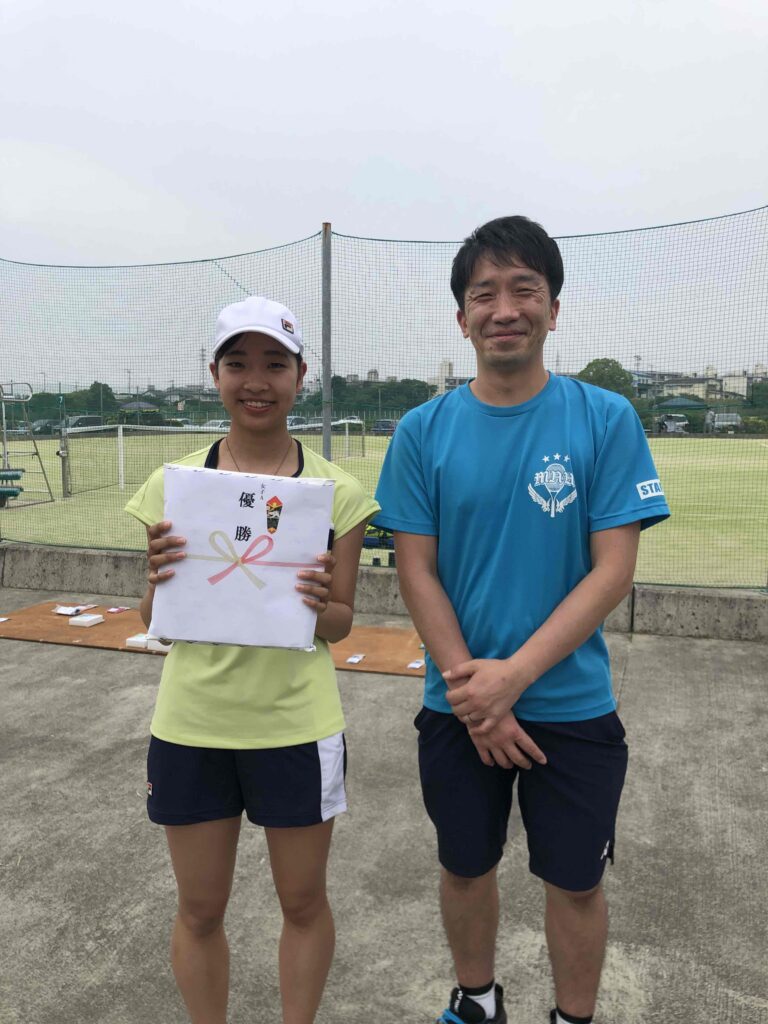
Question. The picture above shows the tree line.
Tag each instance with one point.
(374, 397)
(370, 396)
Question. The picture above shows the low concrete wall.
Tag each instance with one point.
(665, 611)
(699, 612)
(79, 570)
(124, 574)
(620, 619)
(377, 592)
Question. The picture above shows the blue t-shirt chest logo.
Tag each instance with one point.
(555, 479)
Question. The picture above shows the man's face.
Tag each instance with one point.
(507, 315)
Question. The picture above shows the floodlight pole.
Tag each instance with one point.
(326, 339)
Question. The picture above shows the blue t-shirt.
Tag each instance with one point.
(513, 493)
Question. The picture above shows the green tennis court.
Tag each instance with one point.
(717, 536)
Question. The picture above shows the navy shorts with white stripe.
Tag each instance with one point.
(282, 787)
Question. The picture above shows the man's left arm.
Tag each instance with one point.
(493, 685)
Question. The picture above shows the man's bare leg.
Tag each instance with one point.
(470, 909)
(576, 925)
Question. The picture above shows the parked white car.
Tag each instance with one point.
(723, 422)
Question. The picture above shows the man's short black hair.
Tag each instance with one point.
(501, 241)
(229, 343)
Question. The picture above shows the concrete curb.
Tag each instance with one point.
(664, 611)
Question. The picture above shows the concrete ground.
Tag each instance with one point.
(87, 894)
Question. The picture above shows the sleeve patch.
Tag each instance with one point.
(650, 489)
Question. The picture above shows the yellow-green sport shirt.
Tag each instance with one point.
(251, 697)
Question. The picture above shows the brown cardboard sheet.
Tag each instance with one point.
(386, 650)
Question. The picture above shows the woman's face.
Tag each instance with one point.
(258, 381)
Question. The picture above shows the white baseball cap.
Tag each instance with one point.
(262, 316)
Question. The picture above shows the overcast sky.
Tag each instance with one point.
(158, 131)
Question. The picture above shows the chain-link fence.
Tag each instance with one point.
(676, 317)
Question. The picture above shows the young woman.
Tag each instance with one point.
(246, 728)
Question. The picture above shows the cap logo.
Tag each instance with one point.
(287, 326)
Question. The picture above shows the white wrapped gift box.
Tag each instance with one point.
(248, 536)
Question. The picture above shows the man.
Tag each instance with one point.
(517, 503)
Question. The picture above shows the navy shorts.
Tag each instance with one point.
(568, 805)
(283, 787)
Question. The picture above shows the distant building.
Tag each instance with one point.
(451, 383)
(446, 380)
(189, 393)
(372, 375)
(647, 383)
(444, 371)
(735, 384)
(708, 387)
(693, 386)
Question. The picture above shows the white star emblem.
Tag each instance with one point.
(557, 455)
(545, 459)
(567, 458)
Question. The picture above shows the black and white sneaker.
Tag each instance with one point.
(462, 1009)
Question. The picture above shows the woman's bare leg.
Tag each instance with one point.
(299, 857)
(203, 858)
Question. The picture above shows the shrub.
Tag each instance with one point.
(755, 425)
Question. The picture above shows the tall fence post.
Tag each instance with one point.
(326, 350)
(120, 458)
(63, 453)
